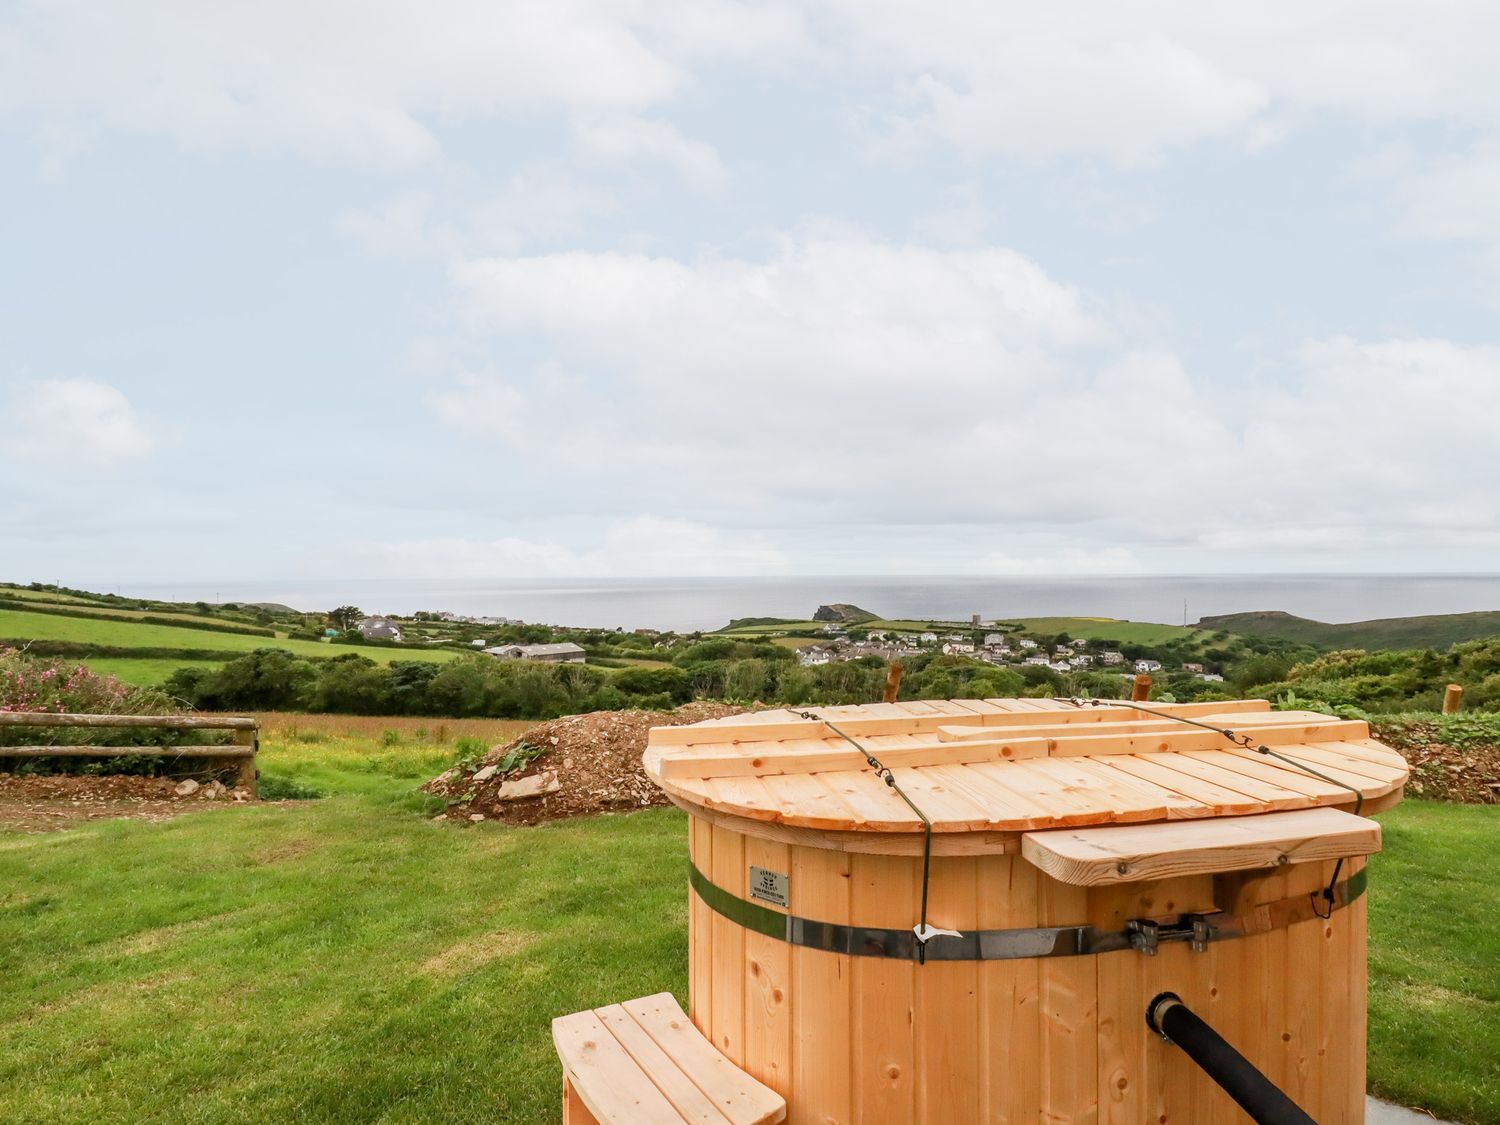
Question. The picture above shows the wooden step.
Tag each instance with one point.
(644, 1063)
(1131, 853)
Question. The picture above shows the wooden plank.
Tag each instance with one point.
(768, 984)
(701, 932)
(738, 1096)
(869, 721)
(1091, 857)
(1139, 724)
(946, 1017)
(691, 1103)
(822, 1048)
(122, 751)
(1335, 754)
(1156, 768)
(1069, 1011)
(1259, 768)
(1368, 786)
(164, 722)
(874, 805)
(729, 948)
(1118, 791)
(605, 1078)
(1010, 1028)
(1264, 796)
(884, 891)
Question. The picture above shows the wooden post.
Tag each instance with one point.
(1140, 691)
(892, 684)
(1453, 699)
(246, 774)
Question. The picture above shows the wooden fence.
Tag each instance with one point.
(240, 753)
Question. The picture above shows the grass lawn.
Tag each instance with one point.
(147, 670)
(349, 960)
(19, 625)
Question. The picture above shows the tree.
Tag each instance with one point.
(345, 616)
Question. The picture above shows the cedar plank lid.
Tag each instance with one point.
(1018, 764)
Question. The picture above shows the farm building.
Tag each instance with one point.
(379, 629)
(565, 653)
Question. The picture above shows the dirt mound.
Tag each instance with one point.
(1441, 771)
(574, 766)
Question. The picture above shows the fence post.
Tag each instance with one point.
(1140, 691)
(246, 774)
(1453, 699)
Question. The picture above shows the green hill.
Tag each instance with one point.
(1435, 631)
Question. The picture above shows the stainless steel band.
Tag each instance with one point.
(1145, 935)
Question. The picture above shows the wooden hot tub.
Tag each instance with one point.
(1067, 843)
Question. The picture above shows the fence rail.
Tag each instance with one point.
(240, 753)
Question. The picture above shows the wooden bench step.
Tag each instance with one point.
(644, 1063)
(1130, 853)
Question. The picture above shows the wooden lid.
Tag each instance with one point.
(1017, 764)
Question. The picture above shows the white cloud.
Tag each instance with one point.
(625, 137)
(844, 381)
(75, 421)
(641, 545)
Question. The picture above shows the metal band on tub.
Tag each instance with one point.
(1144, 934)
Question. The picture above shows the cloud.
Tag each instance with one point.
(843, 382)
(625, 137)
(75, 421)
(641, 545)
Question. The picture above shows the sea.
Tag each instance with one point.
(686, 604)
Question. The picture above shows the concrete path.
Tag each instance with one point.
(1378, 1112)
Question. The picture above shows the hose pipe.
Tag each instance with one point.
(1175, 1022)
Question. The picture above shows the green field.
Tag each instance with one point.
(20, 625)
(148, 671)
(350, 960)
(1437, 631)
(1109, 629)
(129, 614)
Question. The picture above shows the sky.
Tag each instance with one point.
(481, 291)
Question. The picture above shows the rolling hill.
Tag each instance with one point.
(1435, 631)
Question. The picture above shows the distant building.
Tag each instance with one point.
(1192, 667)
(1082, 660)
(565, 653)
(1211, 677)
(1060, 666)
(993, 639)
(379, 629)
(1079, 642)
(1038, 659)
(958, 648)
(480, 644)
(928, 638)
(814, 655)
(975, 621)
(1112, 657)
(1027, 642)
(1148, 665)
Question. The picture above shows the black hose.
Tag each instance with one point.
(1170, 1018)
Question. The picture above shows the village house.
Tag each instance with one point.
(1079, 642)
(379, 629)
(1210, 677)
(815, 655)
(1027, 642)
(958, 648)
(1038, 659)
(1148, 665)
(1112, 657)
(564, 653)
(991, 640)
(1060, 666)
(1192, 667)
(1082, 660)
(928, 638)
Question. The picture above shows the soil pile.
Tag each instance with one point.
(574, 766)
(1441, 771)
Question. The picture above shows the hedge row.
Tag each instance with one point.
(32, 607)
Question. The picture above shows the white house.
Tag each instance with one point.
(379, 629)
(1027, 642)
(1210, 677)
(958, 648)
(928, 638)
(1148, 665)
(1060, 666)
(991, 640)
(1082, 660)
(1039, 659)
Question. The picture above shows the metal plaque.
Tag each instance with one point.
(770, 886)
